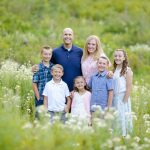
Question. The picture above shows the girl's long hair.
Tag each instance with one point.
(98, 51)
(85, 87)
(125, 63)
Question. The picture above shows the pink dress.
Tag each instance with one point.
(81, 105)
(89, 67)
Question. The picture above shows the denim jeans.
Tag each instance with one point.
(61, 114)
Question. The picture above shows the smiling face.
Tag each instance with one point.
(67, 36)
(119, 57)
(91, 46)
(57, 73)
(46, 55)
(79, 83)
(102, 64)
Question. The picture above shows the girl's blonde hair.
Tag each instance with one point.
(86, 86)
(124, 64)
(98, 51)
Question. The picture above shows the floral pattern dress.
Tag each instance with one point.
(124, 120)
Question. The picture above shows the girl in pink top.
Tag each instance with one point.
(91, 52)
(81, 99)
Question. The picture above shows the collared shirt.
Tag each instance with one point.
(100, 86)
(71, 62)
(41, 77)
(56, 93)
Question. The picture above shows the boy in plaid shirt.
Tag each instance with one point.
(43, 75)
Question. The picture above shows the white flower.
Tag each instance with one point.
(148, 130)
(109, 116)
(137, 139)
(27, 125)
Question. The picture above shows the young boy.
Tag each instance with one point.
(101, 86)
(56, 93)
(42, 76)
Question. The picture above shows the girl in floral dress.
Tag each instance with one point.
(122, 89)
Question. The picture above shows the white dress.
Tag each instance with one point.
(124, 120)
(81, 105)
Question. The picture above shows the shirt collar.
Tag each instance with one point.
(55, 82)
(102, 74)
(67, 49)
(43, 66)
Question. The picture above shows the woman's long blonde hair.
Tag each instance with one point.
(98, 51)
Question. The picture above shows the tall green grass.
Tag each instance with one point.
(20, 131)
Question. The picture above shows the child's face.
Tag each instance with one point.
(119, 57)
(79, 83)
(57, 73)
(102, 64)
(46, 55)
(91, 46)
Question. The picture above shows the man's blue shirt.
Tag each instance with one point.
(41, 77)
(71, 62)
(100, 86)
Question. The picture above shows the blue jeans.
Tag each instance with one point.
(62, 115)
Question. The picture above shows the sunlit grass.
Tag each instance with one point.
(20, 131)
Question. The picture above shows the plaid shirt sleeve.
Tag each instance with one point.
(35, 78)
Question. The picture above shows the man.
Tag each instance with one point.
(69, 56)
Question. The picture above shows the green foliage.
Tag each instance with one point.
(27, 25)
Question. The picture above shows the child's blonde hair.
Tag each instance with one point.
(47, 48)
(98, 50)
(57, 66)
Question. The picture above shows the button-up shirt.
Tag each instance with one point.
(100, 86)
(41, 77)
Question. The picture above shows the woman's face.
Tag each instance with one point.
(91, 46)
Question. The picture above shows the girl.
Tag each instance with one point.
(122, 88)
(91, 52)
(81, 99)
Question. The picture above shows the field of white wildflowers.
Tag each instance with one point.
(19, 130)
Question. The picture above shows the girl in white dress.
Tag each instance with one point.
(80, 107)
(122, 89)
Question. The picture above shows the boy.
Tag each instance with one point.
(56, 93)
(101, 86)
(42, 76)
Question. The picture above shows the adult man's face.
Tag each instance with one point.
(67, 36)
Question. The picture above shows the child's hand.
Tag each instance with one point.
(71, 94)
(110, 74)
(35, 68)
(66, 109)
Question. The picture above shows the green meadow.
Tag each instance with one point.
(27, 25)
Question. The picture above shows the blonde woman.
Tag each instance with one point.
(91, 53)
